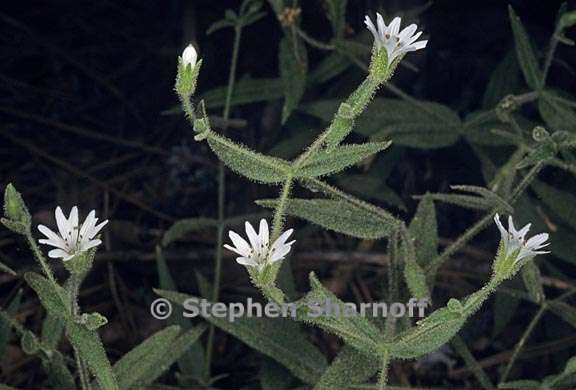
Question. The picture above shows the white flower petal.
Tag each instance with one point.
(90, 244)
(88, 224)
(537, 241)
(62, 223)
(90, 234)
(246, 261)
(53, 238)
(242, 247)
(263, 234)
(253, 237)
(57, 253)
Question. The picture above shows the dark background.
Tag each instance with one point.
(87, 117)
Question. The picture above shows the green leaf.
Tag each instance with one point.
(52, 330)
(5, 327)
(183, 227)
(51, 296)
(487, 200)
(414, 274)
(134, 366)
(355, 329)
(278, 338)
(564, 311)
(273, 376)
(504, 81)
(91, 350)
(370, 187)
(524, 52)
(338, 215)
(192, 363)
(336, 12)
(533, 281)
(176, 351)
(339, 158)
(417, 124)
(560, 202)
(246, 162)
(348, 368)
(293, 62)
(555, 112)
(58, 371)
(246, 91)
(424, 230)
(430, 334)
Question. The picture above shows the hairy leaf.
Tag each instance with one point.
(183, 227)
(246, 162)
(340, 216)
(524, 52)
(293, 62)
(278, 338)
(355, 329)
(339, 158)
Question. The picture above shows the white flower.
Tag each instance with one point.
(396, 42)
(514, 241)
(73, 239)
(258, 253)
(189, 56)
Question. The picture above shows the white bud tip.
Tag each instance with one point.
(189, 56)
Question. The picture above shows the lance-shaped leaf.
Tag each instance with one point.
(91, 350)
(278, 338)
(417, 124)
(533, 281)
(293, 61)
(348, 368)
(524, 52)
(5, 326)
(52, 296)
(414, 274)
(336, 11)
(85, 341)
(556, 112)
(565, 380)
(246, 162)
(146, 362)
(424, 230)
(338, 215)
(339, 158)
(323, 309)
(245, 92)
(560, 202)
(487, 200)
(440, 326)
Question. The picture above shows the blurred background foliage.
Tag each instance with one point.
(89, 117)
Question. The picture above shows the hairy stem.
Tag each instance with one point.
(522, 342)
(383, 377)
(279, 213)
(482, 223)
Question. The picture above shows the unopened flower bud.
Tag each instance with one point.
(189, 56)
(188, 69)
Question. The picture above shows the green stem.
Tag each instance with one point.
(278, 221)
(383, 377)
(222, 194)
(522, 342)
(40, 257)
(483, 223)
(74, 291)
